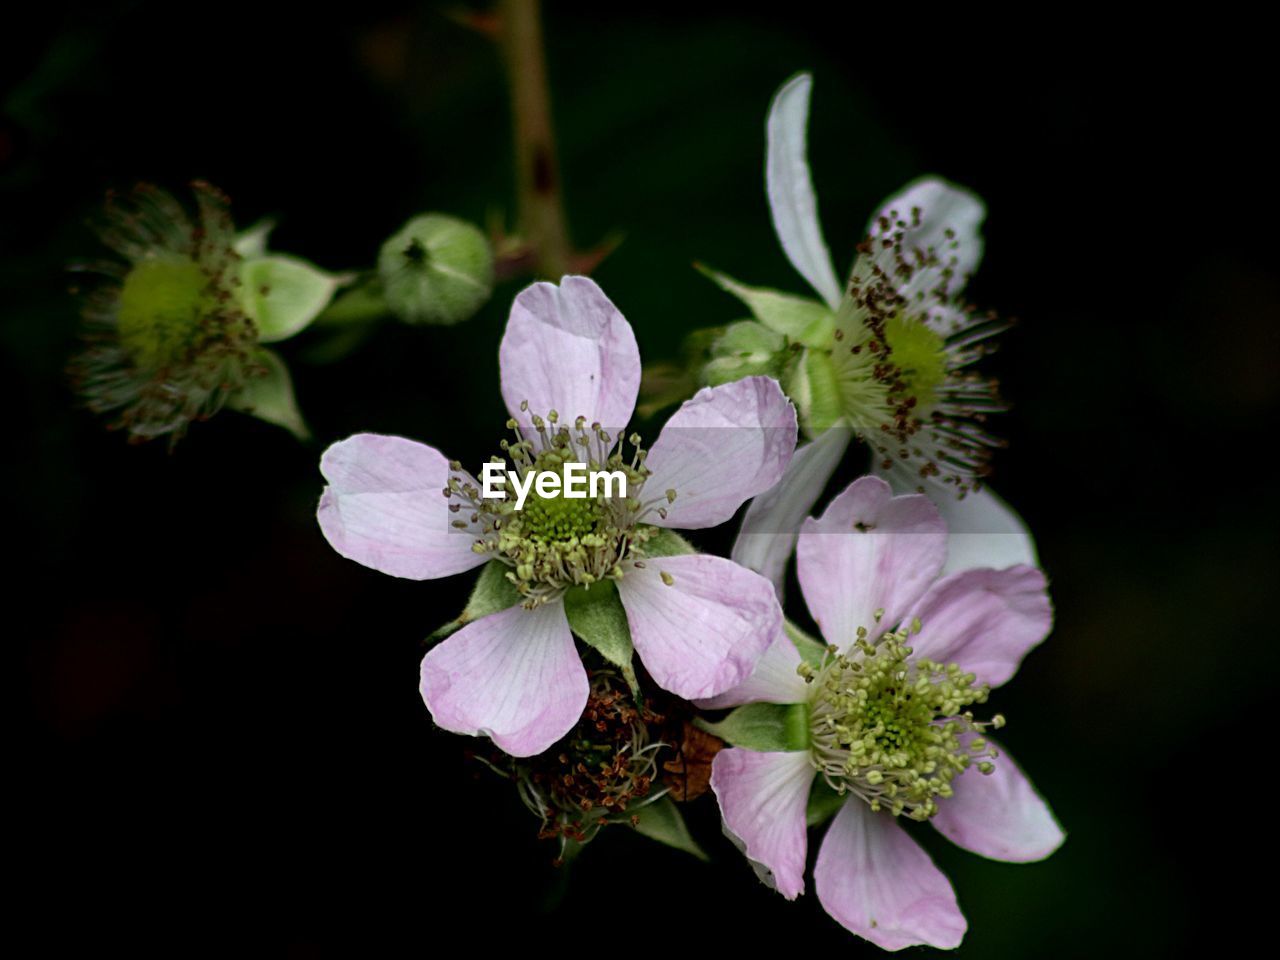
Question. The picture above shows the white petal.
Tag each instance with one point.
(791, 200)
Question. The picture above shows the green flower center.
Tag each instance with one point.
(920, 356)
(559, 519)
(893, 729)
(160, 307)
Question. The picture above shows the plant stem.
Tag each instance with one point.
(539, 204)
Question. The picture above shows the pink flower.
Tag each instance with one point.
(570, 375)
(888, 723)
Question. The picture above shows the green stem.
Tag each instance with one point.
(539, 205)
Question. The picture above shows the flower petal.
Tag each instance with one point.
(772, 522)
(513, 676)
(791, 199)
(876, 881)
(984, 620)
(999, 815)
(774, 679)
(385, 507)
(982, 530)
(704, 631)
(870, 551)
(723, 446)
(762, 799)
(948, 228)
(569, 349)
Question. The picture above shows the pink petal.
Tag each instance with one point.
(999, 815)
(722, 447)
(704, 632)
(772, 521)
(774, 679)
(876, 881)
(762, 799)
(513, 676)
(869, 551)
(569, 349)
(385, 507)
(984, 620)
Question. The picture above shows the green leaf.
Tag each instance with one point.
(270, 397)
(811, 650)
(597, 618)
(768, 727)
(824, 803)
(814, 387)
(799, 319)
(667, 543)
(744, 349)
(284, 294)
(492, 593)
(662, 821)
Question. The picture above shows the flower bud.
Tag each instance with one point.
(436, 269)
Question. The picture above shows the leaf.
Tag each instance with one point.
(799, 319)
(767, 727)
(270, 398)
(492, 593)
(284, 294)
(662, 821)
(596, 617)
(824, 803)
(811, 649)
(667, 543)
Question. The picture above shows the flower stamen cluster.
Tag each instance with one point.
(895, 730)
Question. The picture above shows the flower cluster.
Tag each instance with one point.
(616, 672)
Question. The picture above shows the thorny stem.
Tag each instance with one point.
(540, 208)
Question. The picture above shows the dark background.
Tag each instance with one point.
(218, 735)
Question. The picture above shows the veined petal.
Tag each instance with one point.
(774, 679)
(385, 507)
(999, 815)
(772, 522)
(877, 882)
(723, 446)
(513, 676)
(940, 220)
(791, 199)
(762, 799)
(700, 623)
(982, 530)
(869, 551)
(984, 620)
(568, 348)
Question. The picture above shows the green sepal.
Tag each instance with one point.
(270, 398)
(283, 294)
(811, 650)
(596, 617)
(663, 821)
(744, 349)
(812, 384)
(799, 319)
(767, 727)
(492, 593)
(667, 543)
(253, 241)
(824, 803)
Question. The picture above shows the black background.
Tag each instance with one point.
(219, 740)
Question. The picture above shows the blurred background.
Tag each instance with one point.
(219, 738)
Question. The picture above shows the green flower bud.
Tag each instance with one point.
(436, 269)
(744, 349)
